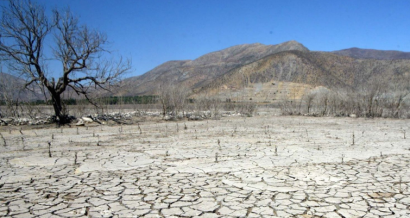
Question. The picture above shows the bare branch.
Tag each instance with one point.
(24, 27)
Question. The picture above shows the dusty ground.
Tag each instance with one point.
(235, 167)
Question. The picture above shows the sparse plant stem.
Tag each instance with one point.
(75, 158)
(52, 136)
(216, 157)
(87, 211)
(78, 131)
(353, 138)
(139, 128)
(4, 140)
(21, 132)
(343, 156)
(98, 140)
(22, 142)
(276, 150)
(307, 135)
(400, 182)
(49, 149)
(404, 134)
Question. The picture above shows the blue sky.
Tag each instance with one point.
(152, 32)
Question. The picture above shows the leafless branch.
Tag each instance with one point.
(24, 28)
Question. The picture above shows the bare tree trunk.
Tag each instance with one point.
(23, 35)
(58, 108)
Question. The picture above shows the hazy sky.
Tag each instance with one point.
(152, 32)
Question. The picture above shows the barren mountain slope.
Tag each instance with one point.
(203, 70)
(373, 54)
(12, 88)
(307, 70)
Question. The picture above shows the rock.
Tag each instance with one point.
(22, 121)
(352, 115)
(193, 117)
(87, 119)
(7, 121)
(80, 123)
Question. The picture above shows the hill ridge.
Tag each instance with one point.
(364, 53)
(202, 70)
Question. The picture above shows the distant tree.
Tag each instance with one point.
(173, 98)
(309, 97)
(396, 97)
(25, 31)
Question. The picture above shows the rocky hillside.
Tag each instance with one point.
(289, 74)
(271, 72)
(203, 70)
(373, 54)
(12, 88)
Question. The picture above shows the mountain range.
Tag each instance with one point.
(270, 72)
(373, 54)
(203, 70)
(12, 87)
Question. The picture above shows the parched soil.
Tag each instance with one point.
(263, 166)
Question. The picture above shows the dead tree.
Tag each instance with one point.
(25, 30)
(173, 99)
(309, 101)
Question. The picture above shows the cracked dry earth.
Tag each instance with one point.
(264, 166)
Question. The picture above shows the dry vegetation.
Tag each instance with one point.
(375, 99)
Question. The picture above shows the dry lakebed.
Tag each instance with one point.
(262, 166)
